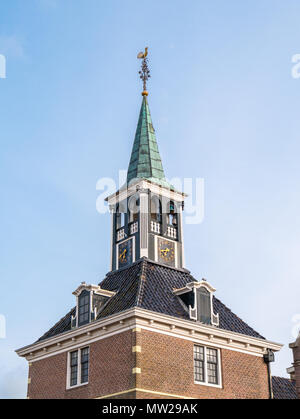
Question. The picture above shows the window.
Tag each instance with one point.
(156, 209)
(133, 209)
(83, 308)
(203, 305)
(78, 367)
(206, 365)
(74, 368)
(172, 215)
(212, 366)
(120, 216)
(85, 365)
(199, 363)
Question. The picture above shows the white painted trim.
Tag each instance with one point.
(125, 192)
(181, 236)
(202, 341)
(144, 224)
(155, 248)
(195, 340)
(219, 371)
(137, 317)
(112, 214)
(168, 240)
(82, 344)
(68, 385)
(142, 390)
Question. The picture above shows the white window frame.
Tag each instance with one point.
(79, 384)
(219, 369)
(156, 238)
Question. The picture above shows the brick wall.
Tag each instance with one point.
(166, 365)
(111, 363)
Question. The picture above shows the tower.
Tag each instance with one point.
(147, 211)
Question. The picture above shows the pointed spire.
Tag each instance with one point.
(145, 162)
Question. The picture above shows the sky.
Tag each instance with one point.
(225, 108)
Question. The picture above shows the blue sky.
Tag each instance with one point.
(225, 108)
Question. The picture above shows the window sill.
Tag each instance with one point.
(208, 384)
(77, 385)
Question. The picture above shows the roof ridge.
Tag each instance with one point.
(142, 277)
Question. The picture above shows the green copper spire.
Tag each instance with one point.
(145, 162)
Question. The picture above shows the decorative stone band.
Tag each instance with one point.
(147, 320)
(141, 185)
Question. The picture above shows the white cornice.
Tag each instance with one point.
(124, 193)
(95, 288)
(148, 320)
(195, 284)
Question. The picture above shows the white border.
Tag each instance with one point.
(68, 385)
(136, 317)
(219, 369)
(156, 249)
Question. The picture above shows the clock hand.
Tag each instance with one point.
(123, 254)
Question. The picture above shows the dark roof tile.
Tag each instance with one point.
(283, 388)
(150, 286)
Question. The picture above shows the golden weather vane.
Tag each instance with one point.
(145, 72)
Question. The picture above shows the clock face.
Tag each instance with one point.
(125, 253)
(166, 252)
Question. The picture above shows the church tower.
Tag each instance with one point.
(147, 211)
(149, 329)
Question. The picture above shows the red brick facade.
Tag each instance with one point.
(167, 368)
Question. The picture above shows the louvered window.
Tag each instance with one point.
(204, 305)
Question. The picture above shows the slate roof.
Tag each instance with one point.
(149, 285)
(283, 388)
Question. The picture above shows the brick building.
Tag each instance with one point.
(149, 329)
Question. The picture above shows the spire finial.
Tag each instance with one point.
(145, 72)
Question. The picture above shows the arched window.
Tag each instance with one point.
(156, 209)
(133, 208)
(172, 214)
(120, 217)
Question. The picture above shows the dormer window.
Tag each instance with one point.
(90, 301)
(84, 307)
(197, 298)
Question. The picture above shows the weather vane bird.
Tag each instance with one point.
(145, 72)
